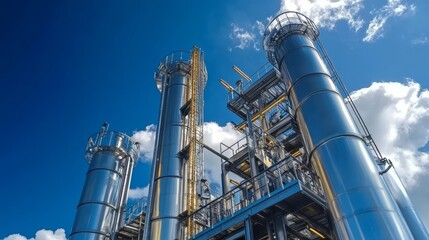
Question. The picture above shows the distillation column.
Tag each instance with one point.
(359, 201)
(111, 157)
(169, 173)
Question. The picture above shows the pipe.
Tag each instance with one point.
(398, 191)
(359, 201)
(280, 227)
(155, 161)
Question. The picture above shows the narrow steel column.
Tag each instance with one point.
(280, 228)
(225, 179)
(359, 201)
(248, 230)
(166, 203)
(251, 146)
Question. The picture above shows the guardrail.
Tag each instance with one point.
(270, 180)
(135, 210)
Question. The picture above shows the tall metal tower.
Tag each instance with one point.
(306, 168)
(359, 200)
(178, 163)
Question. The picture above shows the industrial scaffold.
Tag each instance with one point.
(306, 168)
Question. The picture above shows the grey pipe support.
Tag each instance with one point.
(359, 201)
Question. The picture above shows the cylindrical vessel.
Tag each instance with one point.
(172, 79)
(98, 212)
(359, 201)
(398, 191)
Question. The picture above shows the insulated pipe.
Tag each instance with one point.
(359, 201)
(98, 212)
(173, 74)
(398, 191)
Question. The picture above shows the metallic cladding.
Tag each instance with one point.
(167, 187)
(359, 200)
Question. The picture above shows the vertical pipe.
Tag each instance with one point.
(167, 182)
(155, 159)
(225, 179)
(358, 199)
(280, 228)
(99, 209)
(248, 230)
(251, 146)
(398, 191)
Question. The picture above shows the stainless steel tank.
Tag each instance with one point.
(167, 193)
(110, 156)
(359, 201)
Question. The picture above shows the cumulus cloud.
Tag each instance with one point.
(214, 134)
(243, 38)
(43, 234)
(325, 13)
(393, 8)
(146, 138)
(397, 115)
(137, 193)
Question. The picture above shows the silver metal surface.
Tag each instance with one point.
(398, 191)
(359, 201)
(167, 196)
(110, 155)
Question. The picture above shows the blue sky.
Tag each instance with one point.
(68, 66)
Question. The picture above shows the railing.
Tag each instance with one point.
(233, 149)
(269, 181)
(261, 72)
(112, 139)
(135, 210)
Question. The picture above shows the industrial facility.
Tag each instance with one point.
(306, 168)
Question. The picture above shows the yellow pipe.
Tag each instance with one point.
(262, 112)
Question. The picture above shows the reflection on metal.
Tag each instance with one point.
(395, 185)
(111, 156)
(165, 199)
(314, 231)
(241, 73)
(305, 168)
(275, 179)
(178, 163)
(358, 199)
(226, 85)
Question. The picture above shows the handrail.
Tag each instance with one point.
(136, 209)
(269, 181)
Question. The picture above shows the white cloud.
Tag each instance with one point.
(213, 136)
(146, 138)
(420, 41)
(138, 193)
(243, 38)
(43, 234)
(260, 27)
(325, 13)
(393, 8)
(397, 115)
